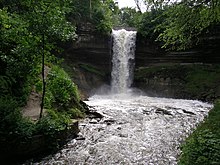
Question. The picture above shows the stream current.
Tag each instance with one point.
(133, 129)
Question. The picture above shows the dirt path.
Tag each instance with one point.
(33, 106)
(32, 109)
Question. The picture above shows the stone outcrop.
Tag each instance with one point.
(191, 81)
(37, 145)
(149, 52)
(90, 47)
(173, 83)
(88, 59)
(94, 49)
(88, 78)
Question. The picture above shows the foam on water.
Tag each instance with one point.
(134, 130)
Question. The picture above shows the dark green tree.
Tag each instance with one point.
(129, 17)
(29, 33)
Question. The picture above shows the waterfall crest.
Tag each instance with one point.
(124, 43)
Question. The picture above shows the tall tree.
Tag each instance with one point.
(187, 20)
(138, 4)
(42, 23)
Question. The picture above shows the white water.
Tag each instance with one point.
(134, 130)
(122, 60)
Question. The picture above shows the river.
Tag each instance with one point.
(135, 129)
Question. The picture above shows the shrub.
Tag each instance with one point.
(76, 113)
(52, 123)
(61, 92)
(12, 124)
(203, 145)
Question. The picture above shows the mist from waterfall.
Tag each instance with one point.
(123, 60)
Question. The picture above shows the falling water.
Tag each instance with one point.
(122, 60)
(134, 129)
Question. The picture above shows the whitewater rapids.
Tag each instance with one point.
(133, 130)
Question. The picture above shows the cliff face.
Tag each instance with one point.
(88, 59)
(94, 49)
(149, 52)
(90, 47)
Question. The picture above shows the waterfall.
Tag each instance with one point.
(127, 128)
(122, 60)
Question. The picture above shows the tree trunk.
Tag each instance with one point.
(43, 77)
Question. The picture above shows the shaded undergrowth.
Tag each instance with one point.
(202, 147)
(191, 81)
(62, 104)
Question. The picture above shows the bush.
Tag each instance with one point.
(52, 123)
(61, 92)
(62, 103)
(76, 113)
(12, 124)
(51, 126)
(203, 145)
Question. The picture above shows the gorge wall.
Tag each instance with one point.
(90, 60)
(90, 47)
(149, 52)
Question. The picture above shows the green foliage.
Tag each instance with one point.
(149, 22)
(61, 92)
(203, 145)
(186, 21)
(129, 17)
(23, 25)
(16, 47)
(180, 24)
(102, 14)
(81, 10)
(201, 79)
(51, 126)
(75, 113)
(52, 123)
(12, 124)
(28, 30)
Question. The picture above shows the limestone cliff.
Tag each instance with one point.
(89, 58)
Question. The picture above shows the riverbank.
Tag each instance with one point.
(188, 81)
(18, 150)
(133, 130)
(24, 134)
(191, 81)
(202, 147)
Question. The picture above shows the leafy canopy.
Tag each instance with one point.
(179, 24)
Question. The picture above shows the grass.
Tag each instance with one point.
(196, 81)
(202, 147)
(203, 81)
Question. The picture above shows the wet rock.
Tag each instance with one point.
(94, 114)
(123, 135)
(188, 112)
(146, 112)
(80, 138)
(93, 121)
(163, 111)
(109, 121)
